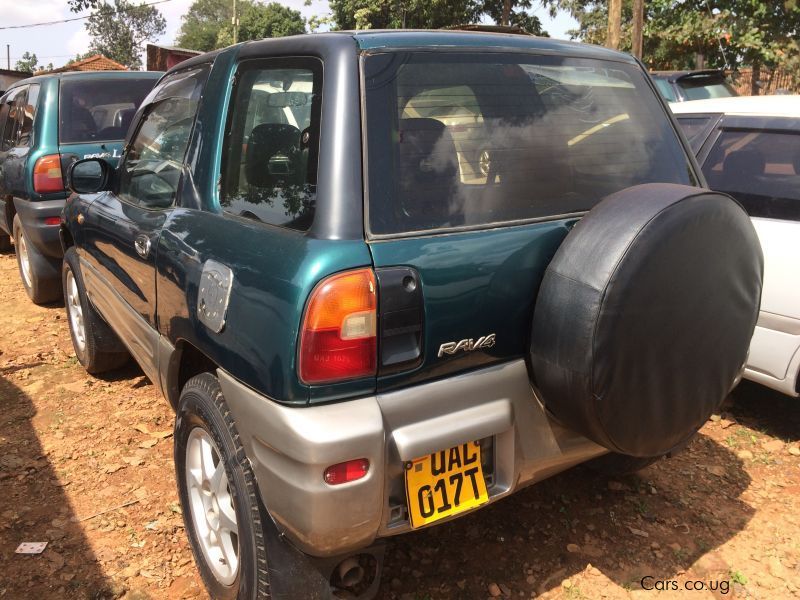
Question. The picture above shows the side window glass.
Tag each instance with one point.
(11, 112)
(27, 114)
(761, 169)
(151, 170)
(270, 160)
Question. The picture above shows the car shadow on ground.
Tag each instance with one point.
(765, 410)
(659, 523)
(34, 508)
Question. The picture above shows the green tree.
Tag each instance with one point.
(79, 5)
(432, 14)
(258, 21)
(513, 12)
(119, 30)
(28, 63)
(394, 14)
(207, 25)
(201, 25)
(732, 32)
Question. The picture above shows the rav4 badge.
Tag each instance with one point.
(468, 345)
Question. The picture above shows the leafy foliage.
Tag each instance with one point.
(430, 14)
(28, 63)
(119, 30)
(750, 32)
(201, 26)
(77, 6)
(208, 26)
(258, 21)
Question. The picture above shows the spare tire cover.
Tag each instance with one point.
(645, 314)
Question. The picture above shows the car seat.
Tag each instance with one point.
(428, 173)
(274, 156)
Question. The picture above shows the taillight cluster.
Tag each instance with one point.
(338, 339)
(47, 175)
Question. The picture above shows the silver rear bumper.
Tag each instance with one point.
(290, 448)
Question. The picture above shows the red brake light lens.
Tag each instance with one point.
(52, 221)
(338, 339)
(47, 175)
(346, 471)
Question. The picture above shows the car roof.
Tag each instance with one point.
(423, 39)
(70, 75)
(767, 106)
(373, 39)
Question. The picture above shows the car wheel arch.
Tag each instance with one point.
(186, 361)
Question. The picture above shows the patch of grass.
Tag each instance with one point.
(738, 577)
(680, 554)
(641, 506)
(574, 593)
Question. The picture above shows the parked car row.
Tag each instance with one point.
(387, 278)
(47, 123)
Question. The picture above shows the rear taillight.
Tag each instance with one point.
(338, 339)
(52, 221)
(47, 175)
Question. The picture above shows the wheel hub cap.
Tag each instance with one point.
(75, 312)
(211, 506)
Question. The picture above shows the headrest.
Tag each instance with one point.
(267, 141)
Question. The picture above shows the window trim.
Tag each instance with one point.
(271, 62)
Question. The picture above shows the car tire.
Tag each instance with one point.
(38, 273)
(268, 566)
(211, 469)
(96, 345)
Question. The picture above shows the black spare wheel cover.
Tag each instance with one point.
(645, 314)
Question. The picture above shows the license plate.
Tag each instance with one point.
(445, 483)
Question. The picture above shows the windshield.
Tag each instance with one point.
(700, 88)
(465, 139)
(93, 110)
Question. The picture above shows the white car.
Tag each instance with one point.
(749, 147)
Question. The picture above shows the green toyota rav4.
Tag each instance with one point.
(46, 123)
(387, 278)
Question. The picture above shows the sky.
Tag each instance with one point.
(59, 43)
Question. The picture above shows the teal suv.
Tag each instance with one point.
(388, 278)
(46, 123)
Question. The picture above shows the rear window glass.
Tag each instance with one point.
(99, 109)
(700, 88)
(760, 169)
(665, 88)
(459, 139)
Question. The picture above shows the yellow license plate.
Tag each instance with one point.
(445, 483)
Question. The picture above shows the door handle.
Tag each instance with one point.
(142, 245)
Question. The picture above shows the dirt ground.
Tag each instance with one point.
(86, 465)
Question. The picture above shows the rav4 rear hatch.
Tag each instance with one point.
(478, 163)
(95, 113)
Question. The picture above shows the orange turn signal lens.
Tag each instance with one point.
(338, 338)
(47, 174)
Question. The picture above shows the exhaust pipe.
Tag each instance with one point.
(350, 572)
